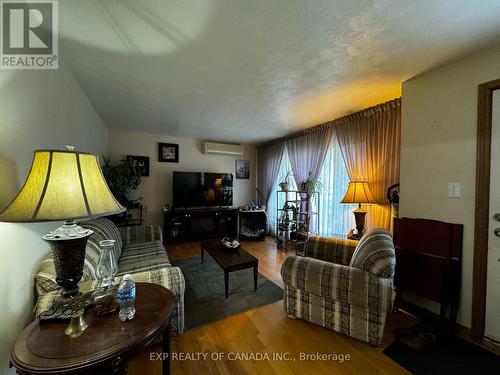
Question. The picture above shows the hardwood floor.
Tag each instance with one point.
(267, 330)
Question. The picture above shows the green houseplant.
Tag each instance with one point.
(310, 184)
(122, 179)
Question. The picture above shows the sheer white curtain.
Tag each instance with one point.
(307, 153)
(335, 219)
(273, 204)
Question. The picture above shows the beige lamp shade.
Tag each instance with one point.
(358, 192)
(62, 185)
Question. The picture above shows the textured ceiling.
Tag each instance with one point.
(252, 70)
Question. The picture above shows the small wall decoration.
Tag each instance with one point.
(168, 152)
(243, 169)
(142, 162)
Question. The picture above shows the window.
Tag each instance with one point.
(335, 218)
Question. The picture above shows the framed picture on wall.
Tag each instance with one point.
(168, 152)
(142, 162)
(243, 169)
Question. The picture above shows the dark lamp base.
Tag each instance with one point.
(359, 217)
(69, 256)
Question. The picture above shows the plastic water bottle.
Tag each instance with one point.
(126, 298)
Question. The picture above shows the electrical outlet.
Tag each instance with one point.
(454, 189)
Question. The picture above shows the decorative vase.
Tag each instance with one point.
(104, 295)
(106, 266)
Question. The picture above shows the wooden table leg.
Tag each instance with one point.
(165, 346)
(255, 276)
(202, 253)
(226, 282)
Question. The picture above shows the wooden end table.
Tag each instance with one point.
(107, 344)
(230, 259)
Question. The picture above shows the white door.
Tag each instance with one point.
(492, 327)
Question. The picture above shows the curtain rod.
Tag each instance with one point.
(338, 121)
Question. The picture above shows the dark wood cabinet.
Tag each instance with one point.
(429, 264)
(199, 223)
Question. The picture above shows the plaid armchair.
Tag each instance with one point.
(343, 285)
(138, 250)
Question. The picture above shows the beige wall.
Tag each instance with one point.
(438, 145)
(157, 188)
(40, 109)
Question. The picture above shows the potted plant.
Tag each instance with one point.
(122, 179)
(310, 184)
(285, 181)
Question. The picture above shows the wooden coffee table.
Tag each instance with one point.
(230, 259)
(107, 344)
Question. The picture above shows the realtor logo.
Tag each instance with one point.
(29, 37)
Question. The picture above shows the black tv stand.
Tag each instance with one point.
(202, 209)
(195, 223)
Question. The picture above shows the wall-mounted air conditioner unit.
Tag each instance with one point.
(223, 148)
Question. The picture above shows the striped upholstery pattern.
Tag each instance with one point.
(141, 234)
(330, 249)
(142, 257)
(45, 277)
(342, 283)
(375, 253)
(104, 229)
(346, 299)
(140, 253)
(361, 323)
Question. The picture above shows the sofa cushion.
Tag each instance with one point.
(375, 253)
(140, 257)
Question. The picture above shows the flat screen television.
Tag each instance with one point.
(200, 189)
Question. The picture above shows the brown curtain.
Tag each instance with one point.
(370, 144)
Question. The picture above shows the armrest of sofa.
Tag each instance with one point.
(342, 283)
(330, 249)
(139, 234)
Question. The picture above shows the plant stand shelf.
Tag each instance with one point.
(296, 218)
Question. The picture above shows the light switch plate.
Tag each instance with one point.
(454, 189)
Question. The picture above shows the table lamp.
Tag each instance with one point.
(64, 185)
(358, 192)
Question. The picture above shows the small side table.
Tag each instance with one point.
(252, 225)
(107, 344)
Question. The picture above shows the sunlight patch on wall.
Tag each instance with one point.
(330, 104)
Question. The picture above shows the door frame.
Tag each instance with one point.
(482, 207)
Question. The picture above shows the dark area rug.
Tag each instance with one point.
(454, 356)
(204, 297)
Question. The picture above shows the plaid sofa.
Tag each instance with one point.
(139, 251)
(343, 285)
